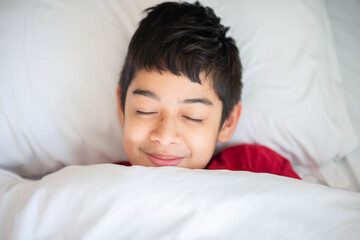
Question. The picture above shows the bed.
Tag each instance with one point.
(59, 133)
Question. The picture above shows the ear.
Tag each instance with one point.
(229, 124)
(119, 108)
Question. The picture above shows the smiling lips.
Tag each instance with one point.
(164, 160)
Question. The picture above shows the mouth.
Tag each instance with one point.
(164, 160)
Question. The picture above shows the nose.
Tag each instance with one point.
(165, 132)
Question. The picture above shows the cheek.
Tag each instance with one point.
(134, 135)
(203, 140)
(202, 144)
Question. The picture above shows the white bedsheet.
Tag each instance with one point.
(116, 202)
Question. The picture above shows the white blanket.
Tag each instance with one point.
(116, 202)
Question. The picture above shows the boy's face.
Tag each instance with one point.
(170, 121)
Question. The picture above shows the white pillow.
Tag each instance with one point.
(293, 100)
(60, 63)
(345, 22)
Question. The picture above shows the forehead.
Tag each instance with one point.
(166, 84)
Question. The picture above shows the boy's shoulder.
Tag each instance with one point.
(253, 158)
(250, 151)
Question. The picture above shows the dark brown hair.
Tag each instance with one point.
(185, 39)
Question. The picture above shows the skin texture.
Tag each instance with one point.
(170, 121)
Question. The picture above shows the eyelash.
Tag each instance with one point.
(193, 119)
(144, 113)
(140, 113)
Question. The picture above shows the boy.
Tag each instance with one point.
(179, 94)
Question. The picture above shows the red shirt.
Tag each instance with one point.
(252, 158)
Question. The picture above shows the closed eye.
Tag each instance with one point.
(195, 120)
(141, 113)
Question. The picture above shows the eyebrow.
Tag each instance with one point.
(146, 93)
(198, 100)
(152, 95)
